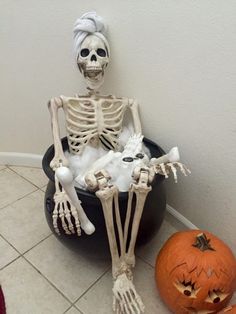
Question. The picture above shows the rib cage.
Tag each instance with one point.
(94, 121)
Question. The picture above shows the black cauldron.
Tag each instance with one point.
(96, 245)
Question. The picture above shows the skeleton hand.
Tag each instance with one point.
(165, 169)
(169, 163)
(64, 211)
(125, 298)
(65, 177)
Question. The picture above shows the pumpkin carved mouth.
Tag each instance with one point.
(192, 310)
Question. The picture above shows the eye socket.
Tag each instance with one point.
(128, 159)
(187, 288)
(101, 52)
(216, 296)
(139, 155)
(84, 52)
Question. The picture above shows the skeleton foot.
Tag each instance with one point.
(125, 298)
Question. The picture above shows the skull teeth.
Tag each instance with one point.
(93, 69)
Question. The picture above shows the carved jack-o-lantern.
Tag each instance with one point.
(195, 273)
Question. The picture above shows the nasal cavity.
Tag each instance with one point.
(93, 58)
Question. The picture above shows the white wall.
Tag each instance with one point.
(176, 57)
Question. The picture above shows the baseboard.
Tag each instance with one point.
(20, 159)
(180, 217)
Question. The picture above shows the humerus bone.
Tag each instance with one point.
(172, 156)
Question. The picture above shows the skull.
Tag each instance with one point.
(92, 60)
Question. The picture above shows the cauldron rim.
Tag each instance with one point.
(50, 173)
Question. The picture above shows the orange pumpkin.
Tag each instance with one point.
(195, 273)
(231, 309)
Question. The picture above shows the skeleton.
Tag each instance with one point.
(97, 121)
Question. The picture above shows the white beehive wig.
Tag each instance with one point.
(89, 23)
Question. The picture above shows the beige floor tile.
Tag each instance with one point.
(150, 250)
(73, 310)
(27, 292)
(12, 187)
(34, 175)
(102, 291)
(7, 253)
(44, 188)
(71, 273)
(23, 223)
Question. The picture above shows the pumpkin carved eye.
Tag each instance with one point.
(187, 288)
(216, 296)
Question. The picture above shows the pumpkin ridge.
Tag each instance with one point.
(179, 265)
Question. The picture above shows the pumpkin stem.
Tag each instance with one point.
(202, 243)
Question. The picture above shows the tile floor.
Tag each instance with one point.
(40, 276)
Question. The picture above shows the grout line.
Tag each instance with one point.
(68, 309)
(51, 283)
(93, 284)
(73, 307)
(143, 260)
(13, 248)
(2, 236)
(51, 234)
(20, 198)
(45, 186)
(20, 254)
(23, 177)
(11, 262)
(81, 312)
